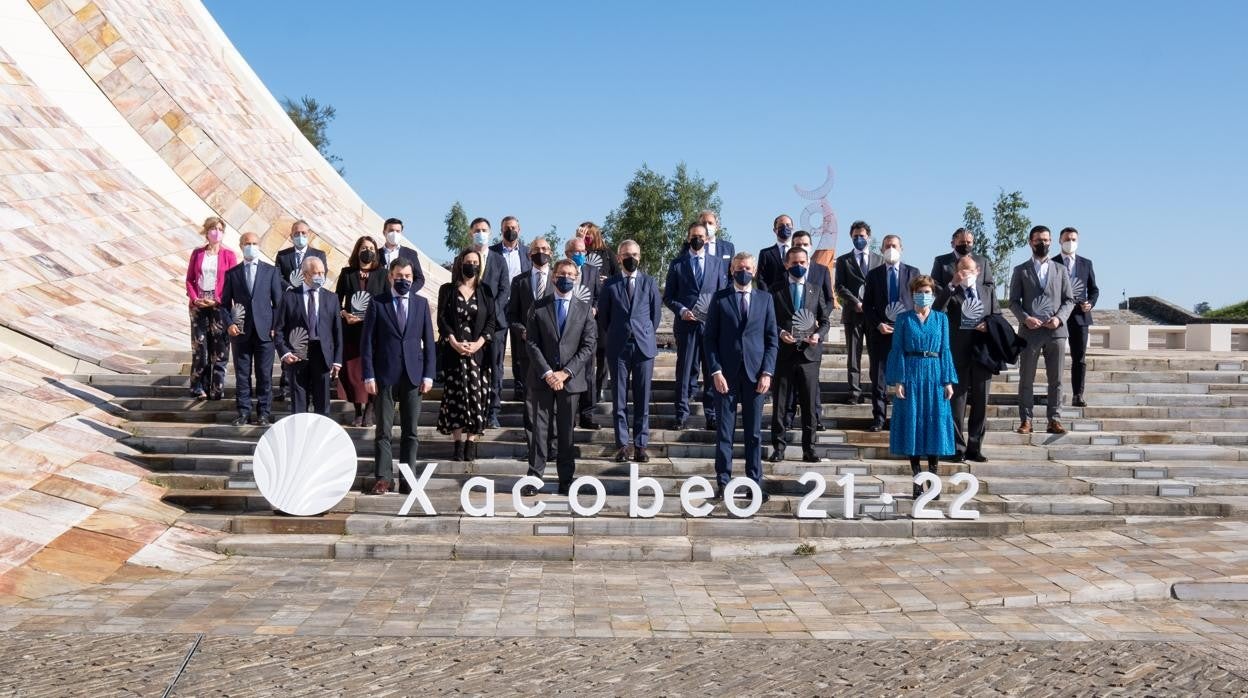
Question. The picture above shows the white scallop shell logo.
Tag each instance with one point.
(304, 464)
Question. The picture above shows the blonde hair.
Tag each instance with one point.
(211, 222)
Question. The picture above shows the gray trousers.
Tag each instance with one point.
(1054, 350)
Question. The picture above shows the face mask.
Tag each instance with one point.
(510, 235)
(318, 280)
(860, 243)
(784, 232)
(301, 241)
(962, 249)
(743, 277)
(214, 235)
(969, 281)
(710, 232)
(923, 300)
(1041, 249)
(630, 264)
(402, 286)
(892, 255)
(805, 247)
(697, 244)
(564, 284)
(1070, 246)
(392, 237)
(251, 252)
(481, 238)
(539, 259)
(578, 258)
(470, 270)
(797, 271)
(366, 256)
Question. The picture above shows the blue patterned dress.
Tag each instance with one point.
(923, 422)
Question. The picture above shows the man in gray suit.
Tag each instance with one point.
(561, 337)
(1041, 299)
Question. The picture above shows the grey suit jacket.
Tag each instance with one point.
(1026, 293)
(550, 351)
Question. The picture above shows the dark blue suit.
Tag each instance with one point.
(253, 349)
(309, 378)
(743, 350)
(628, 328)
(503, 324)
(399, 359)
(875, 303)
(682, 291)
(1079, 320)
(418, 276)
(497, 279)
(288, 261)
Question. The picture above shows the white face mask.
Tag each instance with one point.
(482, 238)
(1070, 246)
(892, 255)
(251, 252)
(969, 281)
(392, 237)
(710, 232)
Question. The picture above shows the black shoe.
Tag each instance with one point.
(851, 400)
(624, 455)
(977, 457)
(264, 420)
(528, 491)
(640, 455)
(819, 426)
(958, 457)
(494, 422)
(564, 489)
(719, 493)
(240, 421)
(810, 457)
(918, 492)
(587, 422)
(1078, 401)
(860, 400)
(777, 455)
(875, 426)
(712, 425)
(680, 425)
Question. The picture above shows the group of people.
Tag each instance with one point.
(746, 327)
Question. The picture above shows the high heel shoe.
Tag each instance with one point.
(459, 452)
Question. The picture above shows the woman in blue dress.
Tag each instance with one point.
(921, 367)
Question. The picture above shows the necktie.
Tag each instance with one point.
(970, 293)
(561, 309)
(1043, 273)
(251, 277)
(312, 323)
(862, 263)
(1070, 266)
(630, 289)
(745, 306)
(697, 270)
(892, 285)
(541, 285)
(402, 312)
(797, 296)
(784, 251)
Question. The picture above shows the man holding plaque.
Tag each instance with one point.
(290, 268)
(968, 301)
(252, 295)
(887, 295)
(308, 333)
(1083, 288)
(1041, 299)
(802, 312)
(692, 278)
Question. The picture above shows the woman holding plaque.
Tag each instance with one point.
(358, 282)
(465, 324)
(920, 365)
(205, 279)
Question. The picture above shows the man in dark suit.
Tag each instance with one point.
(887, 295)
(944, 267)
(821, 277)
(588, 286)
(526, 290)
(399, 361)
(255, 286)
(771, 259)
(1083, 287)
(715, 246)
(516, 255)
(494, 276)
(802, 318)
(628, 313)
(691, 276)
(392, 230)
(312, 308)
(851, 282)
(968, 301)
(1041, 299)
(561, 335)
(741, 346)
(291, 258)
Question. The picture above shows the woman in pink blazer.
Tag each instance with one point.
(210, 345)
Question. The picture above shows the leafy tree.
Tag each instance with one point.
(458, 236)
(552, 236)
(1202, 308)
(655, 212)
(312, 119)
(1011, 228)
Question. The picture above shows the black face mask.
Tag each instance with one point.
(510, 235)
(697, 244)
(366, 256)
(962, 249)
(540, 259)
(1041, 249)
(470, 270)
(630, 264)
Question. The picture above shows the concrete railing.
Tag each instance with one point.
(1196, 337)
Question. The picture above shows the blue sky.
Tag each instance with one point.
(1124, 119)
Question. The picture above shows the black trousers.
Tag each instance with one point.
(408, 398)
(974, 384)
(1078, 357)
(494, 359)
(878, 347)
(253, 357)
(547, 408)
(601, 368)
(799, 381)
(309, 382)
(855, 334)
(585, 402)
(519, 362)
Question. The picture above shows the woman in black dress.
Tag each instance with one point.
(361, 275)
(465, 324)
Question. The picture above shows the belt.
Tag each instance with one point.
(924, 354)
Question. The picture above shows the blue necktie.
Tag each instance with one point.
(797, 296)
(697, 270)
(970, 293)
(561, 314)
(892, 284)
(745, 307)
(312, 318)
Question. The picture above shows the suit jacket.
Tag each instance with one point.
(226, 259)
(682, 290)
(1085, 274)
(286, 262)
(812, 300)
(522, 251)
(294, 313)
(418, 275)
(999, 347)
(495, 277)
(732, 345)
(819, 275)
(389, 351)
(851, 283)
(261, 303)
(520, 299)
(592, 281)
(875, 298)
(482, 326)
(724, 252)
(621, 319)
(770, 266)
(1025, 291)
(349, 285)
(945, 266)
(951, 303)
(571, 350)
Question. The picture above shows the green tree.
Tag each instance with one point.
(1202, 308)
(312, 119)
(552, 236)
(655, 212)
(1012, 226)
(458, 236)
